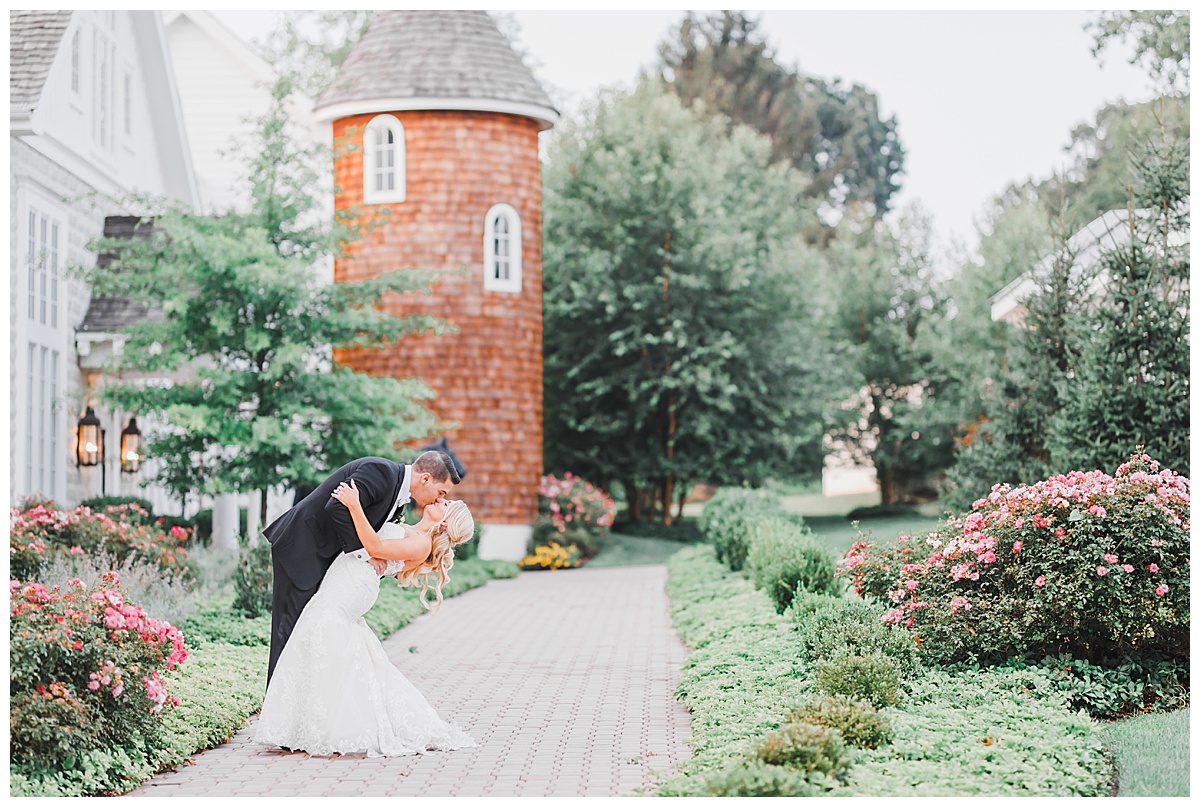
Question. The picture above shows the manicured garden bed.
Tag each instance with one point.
(954, 735)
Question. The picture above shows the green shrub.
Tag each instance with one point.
(1081, 563)
(783, 558)
(203, 521)
(854, 627)
(252, 582)
(100, 504)
(757, 778)
(85, 671)
(125, 531)
(857, 721)
(872, 677)
(805, 747)
(883, 511)
(728, 521)
(220, 623)
(809, 602)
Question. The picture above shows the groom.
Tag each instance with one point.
(307, 538)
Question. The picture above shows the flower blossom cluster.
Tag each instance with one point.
(574, 502)
(1012, 533)
(73, 625)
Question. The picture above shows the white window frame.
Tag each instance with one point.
(41, 453)
(378, 125)
(76, 61)
(515, 246)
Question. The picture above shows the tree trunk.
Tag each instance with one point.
(667, 497)
(682, 497)
(633, 499)
(887, 486)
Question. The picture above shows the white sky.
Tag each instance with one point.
(982, 99)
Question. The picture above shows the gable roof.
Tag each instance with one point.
(1108, 231)
(435, 60)
(33, 41)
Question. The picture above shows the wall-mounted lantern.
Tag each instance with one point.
(131, 447)
(90, 447)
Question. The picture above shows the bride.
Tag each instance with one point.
(334, 689)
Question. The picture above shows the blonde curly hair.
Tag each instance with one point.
(456, 528)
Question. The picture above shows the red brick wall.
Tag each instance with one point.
(488, 375)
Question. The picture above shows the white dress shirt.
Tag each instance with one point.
(402, 497)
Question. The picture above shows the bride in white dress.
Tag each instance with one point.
(334, 689)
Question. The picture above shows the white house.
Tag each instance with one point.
(110, 102)
(95, 114)
(1104, 233)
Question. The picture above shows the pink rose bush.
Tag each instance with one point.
(85, 670)
(1098, 568)
(120, 530)
(572, 511)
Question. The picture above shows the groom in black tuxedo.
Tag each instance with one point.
(307, 538)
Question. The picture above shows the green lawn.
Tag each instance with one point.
(838, 534)
(632, 550)
(835, 531)
(1151, 753)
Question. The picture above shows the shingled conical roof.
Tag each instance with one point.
(435, 60)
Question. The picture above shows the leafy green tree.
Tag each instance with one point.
(245, 329)
(884, 291)
(832, 133)
(1162, 38)
(1129, 384)
(310, 46)
(679, 344)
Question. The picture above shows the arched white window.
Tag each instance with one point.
(383, 161)
(502, 249)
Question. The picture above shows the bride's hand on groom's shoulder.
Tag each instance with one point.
(347, 494)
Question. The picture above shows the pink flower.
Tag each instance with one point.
(75, 550)
(1097, 510)
(1110, 558)
(1100, 570)
(911, 585)
(1017, 546)
(1161, 590)
(1153, 567)
(1127, 568)
(1041, 581)
(93, 685)
(989, 557)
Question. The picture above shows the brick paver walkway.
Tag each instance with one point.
(565, 680)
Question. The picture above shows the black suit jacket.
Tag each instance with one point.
(311, 534)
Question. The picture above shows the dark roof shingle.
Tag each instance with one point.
(435, 54)
(33, 41)
(115, 314)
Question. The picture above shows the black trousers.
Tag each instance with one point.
(287, 602)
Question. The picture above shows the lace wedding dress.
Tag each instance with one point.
(334, 689)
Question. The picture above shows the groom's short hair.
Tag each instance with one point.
(437, 465)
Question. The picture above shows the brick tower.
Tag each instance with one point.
(444, 119)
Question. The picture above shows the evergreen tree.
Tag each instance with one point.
(1129, 384)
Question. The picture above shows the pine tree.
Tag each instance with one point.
(1129, 384)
